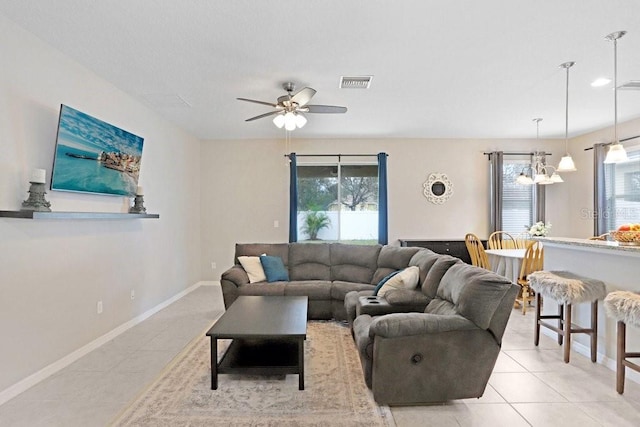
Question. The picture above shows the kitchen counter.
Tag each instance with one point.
(617, 266)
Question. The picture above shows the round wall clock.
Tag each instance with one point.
(437, 188)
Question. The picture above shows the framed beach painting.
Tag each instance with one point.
(93, 156)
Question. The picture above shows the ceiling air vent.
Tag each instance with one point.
(630, 85)
(359, 82)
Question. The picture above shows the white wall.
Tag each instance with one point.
(247, 189)
(53, 272)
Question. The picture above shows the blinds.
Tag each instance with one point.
(517, 199)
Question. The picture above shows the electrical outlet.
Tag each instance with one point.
(213, 265)
(99, 307)
(276, 223)
(133, 294)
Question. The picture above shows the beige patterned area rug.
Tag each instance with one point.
(335, 393)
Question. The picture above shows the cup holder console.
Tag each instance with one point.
(372, 298)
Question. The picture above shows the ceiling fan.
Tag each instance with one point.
(289, 108)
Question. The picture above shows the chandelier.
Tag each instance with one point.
(538, 172)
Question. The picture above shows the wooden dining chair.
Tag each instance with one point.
(501, 240)
(533, 261)
(523, 240)
(476, 251)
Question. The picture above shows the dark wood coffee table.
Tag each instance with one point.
(268, 334)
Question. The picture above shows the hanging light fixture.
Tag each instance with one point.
(566, 163)
(540, 173)
(616, 153)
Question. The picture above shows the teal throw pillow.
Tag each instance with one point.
(274, 268)
(384, 280)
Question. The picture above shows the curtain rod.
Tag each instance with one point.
(335, 155)
(515, 153)
(609, 143)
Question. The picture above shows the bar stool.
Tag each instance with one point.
(567, 289)
(624, 306)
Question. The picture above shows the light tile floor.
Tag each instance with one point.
(529, 386)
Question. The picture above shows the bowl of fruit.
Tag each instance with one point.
(627, 235)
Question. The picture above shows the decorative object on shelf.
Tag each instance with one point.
(437, 188)
(566, 163)
(138, 202)
(36, 200)
(616, 153)
(539, 229)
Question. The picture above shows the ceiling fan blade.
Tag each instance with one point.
(303, 96)
(270, 104)
(270, 113)
(330, 109)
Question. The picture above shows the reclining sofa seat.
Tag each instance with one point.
(403, 300)
(449, 351)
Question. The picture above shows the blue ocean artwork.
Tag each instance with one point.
(94, 156)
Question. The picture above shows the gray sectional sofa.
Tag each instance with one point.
(325, 272)
(436, 343)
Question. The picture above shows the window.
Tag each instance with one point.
(621, 192)
(513, 207)
(338, 202)
(518, 208)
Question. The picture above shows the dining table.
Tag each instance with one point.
(506, 262)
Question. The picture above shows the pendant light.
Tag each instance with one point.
(616, 153)
(566, 163)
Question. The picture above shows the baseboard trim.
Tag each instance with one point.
(33, 379)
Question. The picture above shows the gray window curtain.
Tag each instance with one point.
(599, 189)
(496, 159)
(539, 196)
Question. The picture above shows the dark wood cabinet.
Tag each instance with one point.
(454, 248)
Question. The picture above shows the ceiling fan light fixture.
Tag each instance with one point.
(279, 121)
(301, 120)
(290, 121)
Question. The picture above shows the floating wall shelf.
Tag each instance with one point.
(74, 215)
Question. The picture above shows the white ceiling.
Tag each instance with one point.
(442, 69)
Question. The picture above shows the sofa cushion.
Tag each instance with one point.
(258, 289)
(314, 289)
(353, 263)
(406, 279)
(392, 258)
(309, 261)
(436, 273)
(424, 259)
(253, 267)
(384, 280)
(274, 268)
(257, 249)
(340, 289)
(474, 292)
(407, 297)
